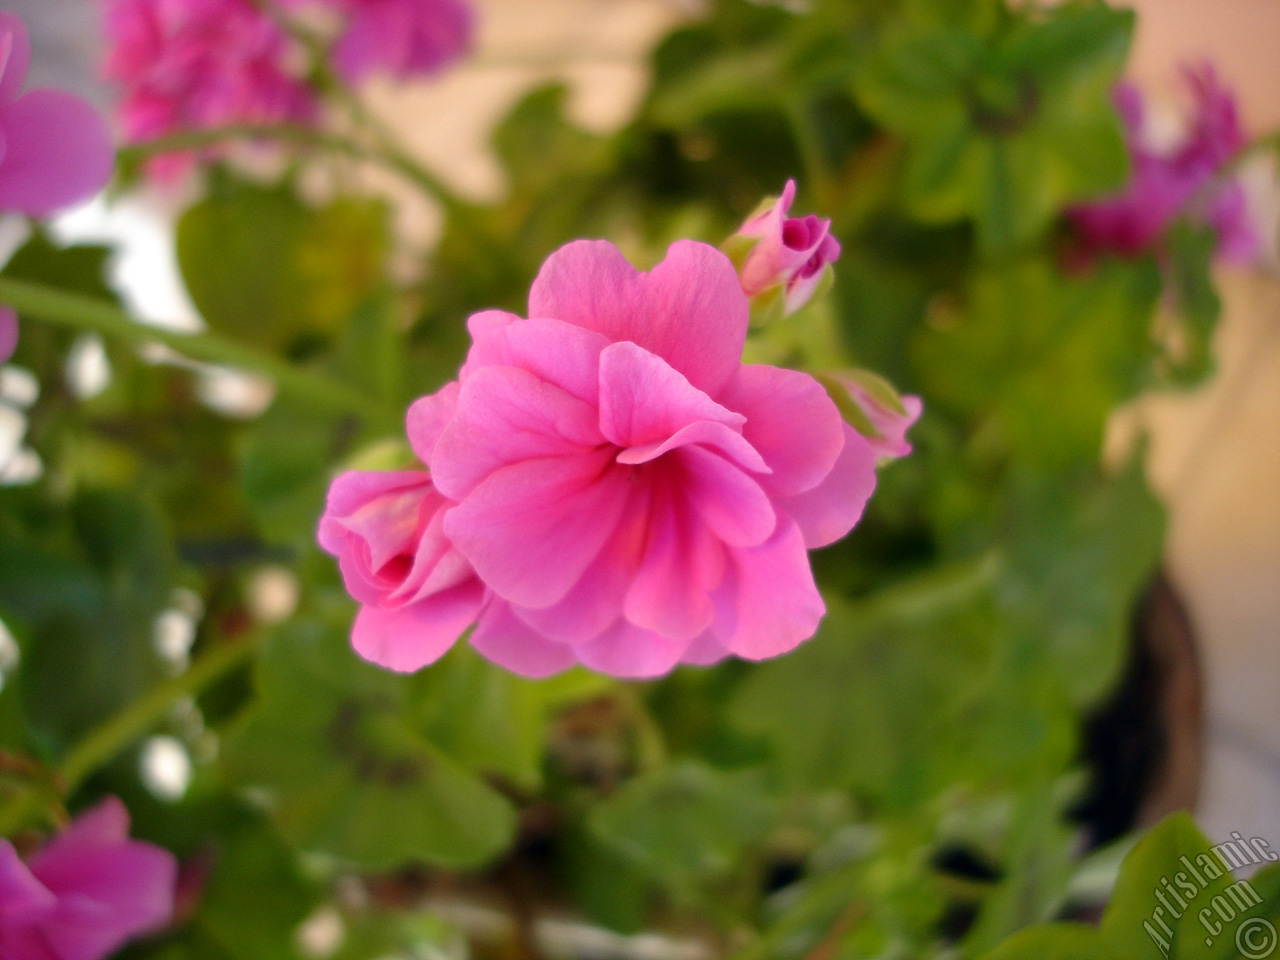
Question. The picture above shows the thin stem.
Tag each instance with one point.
(393, 159)
(651, 745)
(86, 313)
(106, 742)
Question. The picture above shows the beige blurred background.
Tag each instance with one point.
(1216, 453)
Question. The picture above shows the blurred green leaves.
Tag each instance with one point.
(263, 266)
(348, 770)
(1173, 864)
(1003, 127)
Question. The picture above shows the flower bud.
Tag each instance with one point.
(872, 407)
(782, 257)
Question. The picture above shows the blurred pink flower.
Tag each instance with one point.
(1167, 184)
(788, 251)
(402, 38)
(188, 65)
(630, 495)
(84, 895)
(54, 148)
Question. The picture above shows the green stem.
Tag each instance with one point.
(651, 745)
(388, 156)
(86, 313)
(102, 745)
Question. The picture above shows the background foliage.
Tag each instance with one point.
(901, 786)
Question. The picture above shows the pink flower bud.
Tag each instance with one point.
(875, 410)
(790, 252)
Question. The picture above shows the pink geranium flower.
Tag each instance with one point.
(608, 484)
(787, 252)
(88, 892)
(1166, 184)
(402, 38)
(199, 64)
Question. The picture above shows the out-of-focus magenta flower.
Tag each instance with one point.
(1166, 184)
(784, 251)
(401, 38)
(54, 148)
(199, 64)
(628, 492)
(84, 895)
(386, 531)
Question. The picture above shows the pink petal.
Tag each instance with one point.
(58, 152)
(689, 309)
(830, 510)
(595, 601)
(408, 638)
(15, 55)
(791, 421)
(644, 400)
(728, 501)
(489, 344)
(427, 418)
(506, 415)
(353, 490)
(21, 894)
(110, 888)
(552, 350)
(670, 592)
(704, 651)
(629, 651)
(8, 333)
(773, 603)
(508, 641)
(532, 528)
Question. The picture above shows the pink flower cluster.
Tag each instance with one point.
(198, 64)
(186, 65)
(54, 148)
(1167, 184)
(88, 892)
(606, 483)
(789, 254)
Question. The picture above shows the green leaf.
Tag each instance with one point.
(335, 746)
(1058, 941)
(687, 825)
(1175, 862)
(86, 585)
(261, 266)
